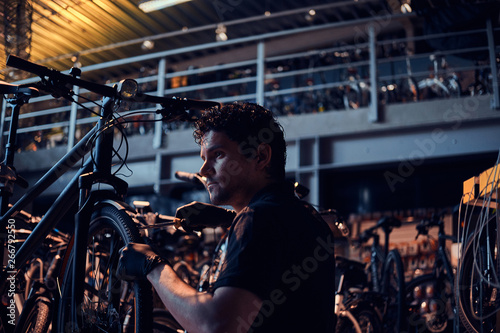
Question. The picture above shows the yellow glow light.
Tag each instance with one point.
(152, 5)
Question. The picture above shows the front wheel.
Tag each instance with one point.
(361, 319)
(36, 316)
(109, 304)
(430, 302)
(393, 289)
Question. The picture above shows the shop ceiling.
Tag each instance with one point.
(64, 32)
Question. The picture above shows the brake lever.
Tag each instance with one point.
(55, 88)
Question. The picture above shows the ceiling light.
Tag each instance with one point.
(406, 7)
(147, 45)
(152, 5)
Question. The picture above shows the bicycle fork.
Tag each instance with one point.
(102, 172)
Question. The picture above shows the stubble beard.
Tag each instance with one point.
(220, 197)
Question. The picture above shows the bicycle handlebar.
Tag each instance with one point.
(386, 223)
(424, 226)
(57, 78)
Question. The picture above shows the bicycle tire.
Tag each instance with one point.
(36, 316)
(471, 304)
(366, 317)
(110, 304)
(393, 289)
(439, 320)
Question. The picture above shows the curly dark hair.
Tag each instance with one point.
(249, 125)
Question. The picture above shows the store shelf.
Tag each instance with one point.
(482, 190)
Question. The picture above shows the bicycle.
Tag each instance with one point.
(439, 86)
(430, 297)
(355, 308)
(386, 275)
(93, 298)
(38, 281)
(43, 297)
(482, 81)
(478, 282)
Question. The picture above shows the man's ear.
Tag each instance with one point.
(264, 153)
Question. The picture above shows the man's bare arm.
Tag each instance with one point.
(229, 309)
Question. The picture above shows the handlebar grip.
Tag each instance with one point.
(27, 66)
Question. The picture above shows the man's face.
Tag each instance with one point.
(231, 177)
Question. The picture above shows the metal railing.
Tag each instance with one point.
(336, 78)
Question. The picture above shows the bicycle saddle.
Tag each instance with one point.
(7, 88)
(388, 223)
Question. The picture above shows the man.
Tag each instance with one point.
(279, 270)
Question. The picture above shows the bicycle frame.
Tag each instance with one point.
(375, 260)
(60, 206)
(442, 257)
(378, 255)
(443, 262)
(101, 172)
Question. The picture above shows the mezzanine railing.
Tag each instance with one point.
(340, 77)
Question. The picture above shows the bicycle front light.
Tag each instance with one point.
(128, 88)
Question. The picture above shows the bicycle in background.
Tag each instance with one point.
(386, 275)
(431, 297)
(355, 307)
(437, 85)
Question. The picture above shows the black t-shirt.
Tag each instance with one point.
(281, 250)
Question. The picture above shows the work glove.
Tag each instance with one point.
(198, 215)
(137, 260)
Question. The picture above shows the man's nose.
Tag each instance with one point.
(204, 170)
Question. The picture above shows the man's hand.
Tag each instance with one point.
(198, 215)
(136, 261)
